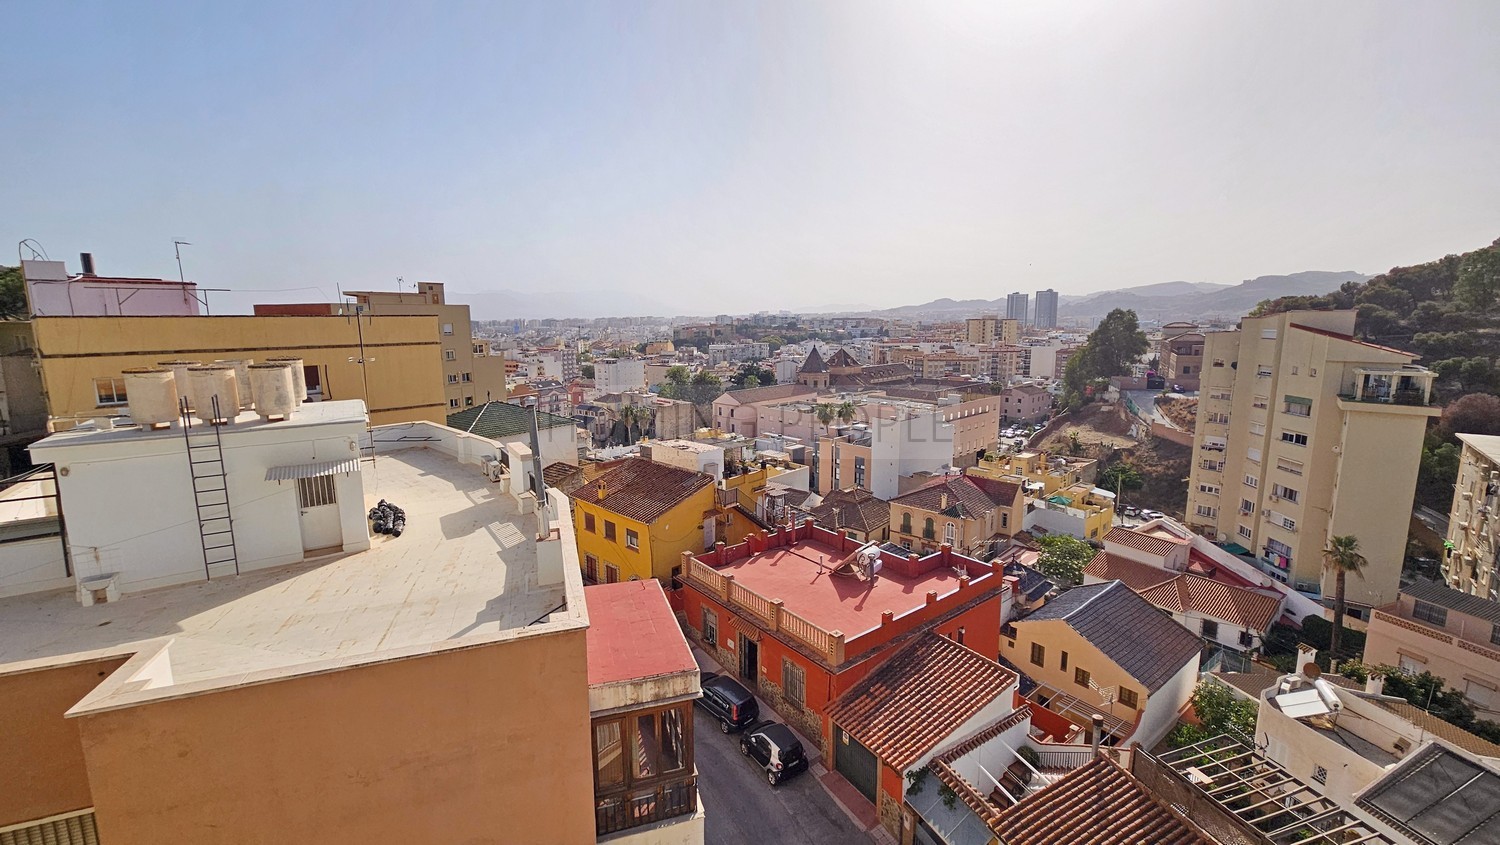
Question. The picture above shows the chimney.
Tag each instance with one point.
(87, 260)
(1375, 685)
(600, 491)
(1098, 721)
(943, 502)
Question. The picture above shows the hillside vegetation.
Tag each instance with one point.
(1448, 312)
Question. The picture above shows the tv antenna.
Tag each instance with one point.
(177, 245)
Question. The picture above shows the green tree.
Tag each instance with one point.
(774, 341)
(705, 388)
(1120, 476)
(1341, 558)
(1219, 711)
(1063, 558)
(1116, 344)
(750, 382)
(1475, 413)
(585, 370)
(1478, 284)
(12, 294)
(679, 375)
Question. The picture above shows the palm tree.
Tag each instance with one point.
(1341, 557)
(826, 413)
(846, 412)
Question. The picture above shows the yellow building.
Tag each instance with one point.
(82, 358)
(983, 331)
(1060, 489)
(471, 375)
(635, 520)
(1052, 472)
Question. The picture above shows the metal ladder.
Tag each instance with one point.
(205, 452)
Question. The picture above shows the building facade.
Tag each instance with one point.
(1017, 308)
(1304, 433)
(1046, 309)
(1453, 635)
(1471, 561)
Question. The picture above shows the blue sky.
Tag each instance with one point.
(727, 157)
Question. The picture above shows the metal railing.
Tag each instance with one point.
(645, 806)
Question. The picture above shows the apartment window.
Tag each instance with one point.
(929, 530)
(1004, 520)
(1129, 698)
(1294, 438)
(1252, 455)
(659, 741)
(1262, 371)
(1320, 774)
(793, 682)
(591, 568)
(468, 401)
(453, 403)
(905, 523)
(1206, 511)
(950, 533)
(1268, 334)
(609, 530)
(1244, 531)
(611, 573)
(1259, 403)
(1430, 613)
(1211, 489)
(453, 378)
(1293, 467)
(1218, 362)
(478, 351)
(609, 755)
(1247, 507)
(1288, 523)
(1297, 406)
(859, 472)
(1038, 655)
(109, 391)
(467, 377)
(1246, 639)
(1285, 492)
(632, 539)
(1081, 677)
(449, 355)
(1257, 429)
(1063, 661)
(1210, 629)
(710, 627)
(588, 524)
(448, 328)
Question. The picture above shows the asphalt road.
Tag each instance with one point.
(742, 809)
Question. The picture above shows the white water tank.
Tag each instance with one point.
(275, 395)
(299, 376)
(179, 369)
(242, 375)
(152, 395)
(206, 382)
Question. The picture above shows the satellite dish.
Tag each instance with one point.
(1311, 671)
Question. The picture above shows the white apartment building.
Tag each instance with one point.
(721, 353)
(1472, 563)
(617, 375)
(1305, 433)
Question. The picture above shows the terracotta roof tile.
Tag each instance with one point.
(1096, 804)
(918, 698)
(969, 497)
(1441, 729)
(769, 393)
(1108, 566)
(642, 490)
(1138, 637)
(1150, 543)
(853, 508)
(1234, 605)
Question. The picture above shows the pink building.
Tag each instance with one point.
(56, 294)
(1025, 403)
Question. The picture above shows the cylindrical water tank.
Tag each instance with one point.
(299, 376)
(209, 381)
(179, 369)
(242, 375)
(152, 395)
(275, 395)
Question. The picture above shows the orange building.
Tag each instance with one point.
(793, 615)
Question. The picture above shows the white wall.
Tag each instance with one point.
(1163, 706)
(32, 566)
(920, 443)
(1056, 522)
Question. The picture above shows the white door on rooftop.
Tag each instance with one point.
(317, 500)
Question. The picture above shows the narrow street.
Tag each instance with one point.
(743, 809)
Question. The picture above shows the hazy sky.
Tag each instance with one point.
(706, 157)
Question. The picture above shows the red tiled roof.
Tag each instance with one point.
(1107, 566)
(813, 363)
(918, 698)
(852, 508)
(768, 393)
(1149, 543)
(1096, 804)
(1353, 339)
(969, 497)
(633, 633)
(642, 490)
(1195, 594)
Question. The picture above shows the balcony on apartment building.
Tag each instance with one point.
(805, 584)
(1401, 385)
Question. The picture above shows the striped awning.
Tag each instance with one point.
(312, 470)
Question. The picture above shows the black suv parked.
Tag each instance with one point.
(776, 749)
(727, 701)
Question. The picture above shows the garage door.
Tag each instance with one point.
(855, 762)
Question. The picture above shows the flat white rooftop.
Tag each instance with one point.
(464, 572)
(307, 414)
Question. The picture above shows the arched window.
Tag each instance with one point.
(928, 529)
(906, 523)
(950, 533)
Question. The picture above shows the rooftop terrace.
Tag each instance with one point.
(465, 572)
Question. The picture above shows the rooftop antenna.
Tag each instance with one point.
(177, 246)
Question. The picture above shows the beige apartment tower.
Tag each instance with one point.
(984, 331)
(1471, 563)
(1305, 433)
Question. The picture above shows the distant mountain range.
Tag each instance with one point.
(1161, 302)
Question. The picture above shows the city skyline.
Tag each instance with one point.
(597, 162)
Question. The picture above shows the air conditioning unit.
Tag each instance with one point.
(491, 467)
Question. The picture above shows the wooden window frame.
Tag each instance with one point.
(609, 530)
(1038, 655)
(1081, 676)
(710, 624)
(591, 568)
(611, 574)
(589, 523)
(1129, 698)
